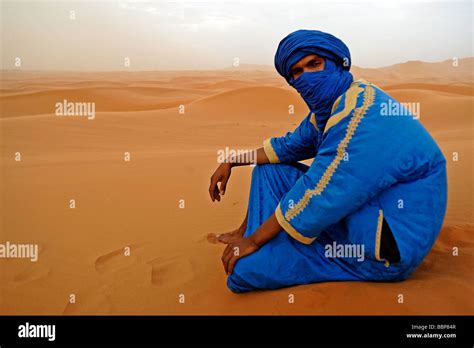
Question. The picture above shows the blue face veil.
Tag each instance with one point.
(319, 89)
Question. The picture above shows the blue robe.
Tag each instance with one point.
(368, 169)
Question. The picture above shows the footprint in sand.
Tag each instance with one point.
(31, 274)
(34, 271)
(117, 259)
(171, 271)
(92, 301)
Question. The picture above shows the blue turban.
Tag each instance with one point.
(319, 89)
(302, 42)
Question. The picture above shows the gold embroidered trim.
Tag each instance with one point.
(378, 235)
(270, 152)
(359, 113)
(290, 229)
(312, 119)
(336, 103)
(338, 100)
(349, 104)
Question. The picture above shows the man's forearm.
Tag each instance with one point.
(269, 229)
(243, 226)
(251, 157)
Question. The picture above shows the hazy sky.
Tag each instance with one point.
(165, 35)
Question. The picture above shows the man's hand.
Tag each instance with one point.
(239, 247)
(235, 250)
(221, 175)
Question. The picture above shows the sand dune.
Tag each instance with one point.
(134, 205)
(439, 110)
(105, 99)
(226, 85)
(446, 72)
(454, 89)
(269, 103)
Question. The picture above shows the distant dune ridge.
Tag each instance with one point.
(171, 125)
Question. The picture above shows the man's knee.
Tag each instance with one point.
(236, 283)
(241, 278)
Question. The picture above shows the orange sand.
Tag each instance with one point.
(136, 203)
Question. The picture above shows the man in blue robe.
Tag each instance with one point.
(369, 207)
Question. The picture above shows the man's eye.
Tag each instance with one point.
(315, 63)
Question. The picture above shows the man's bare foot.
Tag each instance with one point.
(224, 237)
(229, 237)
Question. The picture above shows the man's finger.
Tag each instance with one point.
(213, 188)
(230, 267)
(229, 257)
(228, 251)
(226, 267)
(224, 257)
(216, 193)
(223, 185)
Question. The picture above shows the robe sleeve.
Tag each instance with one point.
(294, 146)
(359, 156)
